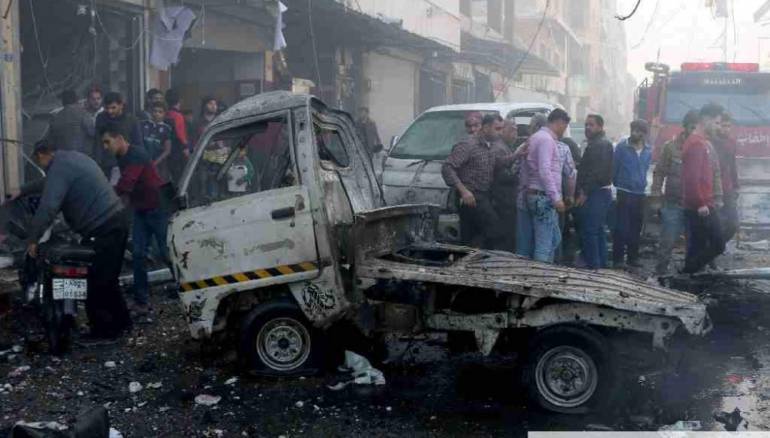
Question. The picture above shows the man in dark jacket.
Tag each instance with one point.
(69, 127)
(505, 188)
(630, 165)
(139, 185)
(594, 184)
(76, 187)
(725, 145)
(669, 170)
(115, 113)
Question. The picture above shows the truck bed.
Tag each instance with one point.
(427, 261)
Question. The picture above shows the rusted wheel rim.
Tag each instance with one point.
(283, 344)
(566, 376)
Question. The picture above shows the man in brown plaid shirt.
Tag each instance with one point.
(470, 170)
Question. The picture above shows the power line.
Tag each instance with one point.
(529, 49)
(534, 38)
(624, 18)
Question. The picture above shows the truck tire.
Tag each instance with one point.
(569, 369)
(276, 339)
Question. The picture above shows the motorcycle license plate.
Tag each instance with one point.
(70, 288)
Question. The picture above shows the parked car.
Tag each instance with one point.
(310, 245)
(412, 171)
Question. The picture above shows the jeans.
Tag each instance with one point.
(105, 306)
(674, 225)
(593, 222)
(545, 227)
(480, 226)
(525, 234)
(147, 225)
(705, 241)
(628, 228)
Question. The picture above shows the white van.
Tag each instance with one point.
(412, 171)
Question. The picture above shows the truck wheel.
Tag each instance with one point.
(277, 339)
(568, 370)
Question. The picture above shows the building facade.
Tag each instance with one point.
(395, 57)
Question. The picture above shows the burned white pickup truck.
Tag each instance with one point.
(282, 232)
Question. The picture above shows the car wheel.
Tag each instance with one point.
(277, 339)
(569, 370)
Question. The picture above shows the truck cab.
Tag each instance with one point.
(282, 234)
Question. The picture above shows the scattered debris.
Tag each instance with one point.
(134, 387)
(19, 371)
(155, 385)
(300, 404)
(231, 381)
(730, 420)
(114, 433)
(682, 426)
(17, 349)
(207, 400)
(361, 371)
(110, 364)
(599, 428)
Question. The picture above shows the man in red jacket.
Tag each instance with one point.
(139, 186)
(699, 166)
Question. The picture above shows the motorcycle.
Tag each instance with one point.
(56, 280)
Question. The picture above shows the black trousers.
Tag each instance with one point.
(105, 306)
(480, 226)
(728, 217)
(628, 227)
(706, 240)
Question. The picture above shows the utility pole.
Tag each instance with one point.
(10, 96)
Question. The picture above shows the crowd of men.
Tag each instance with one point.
(105, 169)
(526, 197)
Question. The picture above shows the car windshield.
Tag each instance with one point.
(432, 136)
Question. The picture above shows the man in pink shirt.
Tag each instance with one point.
(543, 197)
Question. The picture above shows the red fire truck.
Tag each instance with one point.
(744, 91)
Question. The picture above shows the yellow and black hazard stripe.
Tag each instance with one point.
(242, 277)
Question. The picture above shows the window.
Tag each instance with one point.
(331, 148)
(495, 14)
(243, 160)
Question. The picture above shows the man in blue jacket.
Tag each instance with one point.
(629, 169)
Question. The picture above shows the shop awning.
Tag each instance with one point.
(335, 21)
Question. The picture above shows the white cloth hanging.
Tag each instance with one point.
(169, 29)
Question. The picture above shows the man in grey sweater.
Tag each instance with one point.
(77, 187)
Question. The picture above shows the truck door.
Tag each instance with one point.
(248, 220)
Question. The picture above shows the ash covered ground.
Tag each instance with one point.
(429, 392)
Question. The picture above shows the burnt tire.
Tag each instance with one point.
(569, 370)
(276, 339)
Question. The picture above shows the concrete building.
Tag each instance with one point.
(396, 57)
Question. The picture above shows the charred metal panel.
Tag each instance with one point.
(506, 272)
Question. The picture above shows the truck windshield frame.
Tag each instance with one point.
(746, 96)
